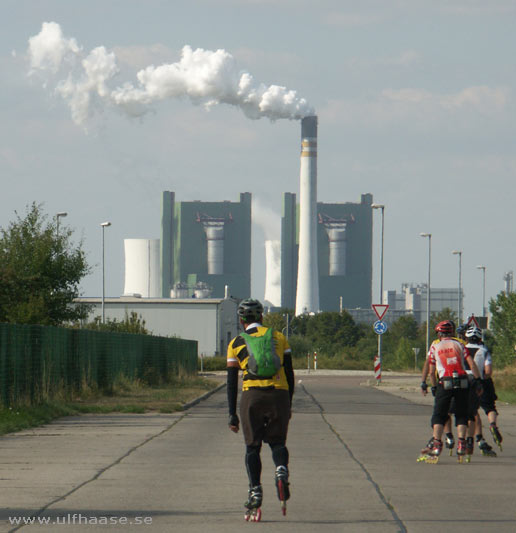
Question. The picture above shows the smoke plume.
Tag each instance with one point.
(204, 77)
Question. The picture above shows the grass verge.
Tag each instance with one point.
(126, 397)
(505, 384)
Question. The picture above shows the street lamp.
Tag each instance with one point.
(459, 315)
(104, 225)
(429, 235)
(382, 207)
(483, 268)
(58, 216)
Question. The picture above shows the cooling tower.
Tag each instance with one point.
(273, 273)
(307, 295)
(142, 267)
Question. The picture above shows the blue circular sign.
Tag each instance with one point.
(380, 327)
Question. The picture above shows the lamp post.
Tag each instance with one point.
(58, 216)
(103, 225)
(382, 207)
(459, 314)
(429, 235)
(483, 268)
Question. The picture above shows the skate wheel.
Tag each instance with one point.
(257, 515)
(283, 508)
(247, 517)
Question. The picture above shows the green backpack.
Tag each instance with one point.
(263, 360)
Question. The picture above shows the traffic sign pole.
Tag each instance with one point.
(380, 310)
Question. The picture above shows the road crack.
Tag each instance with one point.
(369, 477)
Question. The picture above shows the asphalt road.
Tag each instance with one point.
(353, 468)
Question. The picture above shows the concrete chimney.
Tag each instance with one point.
(307, 296)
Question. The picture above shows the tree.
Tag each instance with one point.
(330, 331)
(132, 323)
(40, 271)
(406, 326)
(503, 327)
(274, 320)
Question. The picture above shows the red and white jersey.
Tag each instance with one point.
(448, 356)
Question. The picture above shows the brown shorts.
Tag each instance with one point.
(265, 414)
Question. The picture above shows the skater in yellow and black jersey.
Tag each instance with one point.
(265, 405)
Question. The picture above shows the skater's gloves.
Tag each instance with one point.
(434, 390)
(424, 387)
(234, 423)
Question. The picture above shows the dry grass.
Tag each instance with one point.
(135, 397)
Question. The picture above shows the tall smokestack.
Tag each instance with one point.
(307, 296)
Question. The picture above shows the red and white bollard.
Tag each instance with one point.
(377, 369)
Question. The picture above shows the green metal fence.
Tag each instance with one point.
(39, 363)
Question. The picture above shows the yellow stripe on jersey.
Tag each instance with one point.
(237, 351)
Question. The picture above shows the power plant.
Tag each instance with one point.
(205, 247)
(322, 263)
(344, 234)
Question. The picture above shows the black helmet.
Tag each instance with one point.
(249, 310)
(462, 329)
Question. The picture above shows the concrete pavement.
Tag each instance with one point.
(353, 468)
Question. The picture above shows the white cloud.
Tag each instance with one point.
(477, 7)
(392, 105)
(270, 61)
(351, 19)
(137, 57)
(405, 59)
(480, 98)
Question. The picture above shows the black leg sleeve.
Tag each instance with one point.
(289, 373)
(253, 465)
(280, 454)
(232, 389)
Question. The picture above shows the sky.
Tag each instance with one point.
(415, 99)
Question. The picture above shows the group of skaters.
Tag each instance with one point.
(459, 367)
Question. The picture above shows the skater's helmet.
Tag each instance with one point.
(250, 310)
(445, 328)
(461, 329)
(474, 333)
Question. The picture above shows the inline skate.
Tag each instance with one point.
(253, 504)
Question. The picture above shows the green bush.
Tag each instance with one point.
(212, 364)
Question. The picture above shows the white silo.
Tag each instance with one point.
(142, 267)
(307, 295)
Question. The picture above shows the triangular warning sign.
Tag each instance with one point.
(380, 310)
(473, 319)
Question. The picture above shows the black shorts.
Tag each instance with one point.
(443, 399)
(265, 414)
(489, 397)
(473, 403)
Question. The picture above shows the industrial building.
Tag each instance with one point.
(205, 245)
(212, 322)
(413, 298)
(344, 250)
